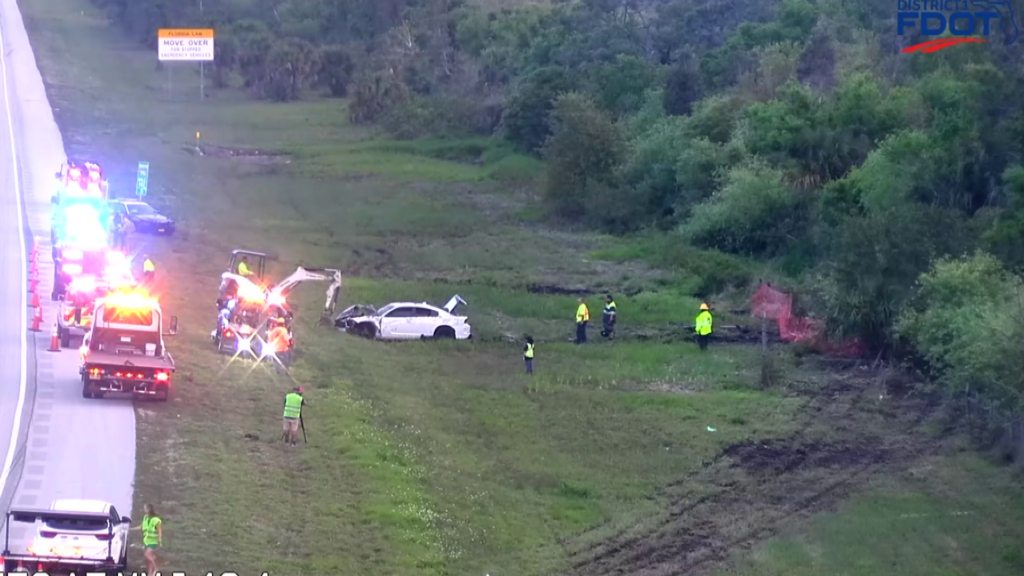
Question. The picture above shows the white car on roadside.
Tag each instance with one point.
(406, 321)
(83, 536)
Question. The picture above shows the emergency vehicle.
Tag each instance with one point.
(124, 349)
(77, 178)
(100, 263)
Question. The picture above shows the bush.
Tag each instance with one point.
(336, 68)
(753, 213)
(426, 116)
(968, 323)
(583, 153)
(525, 120)
(873, 261)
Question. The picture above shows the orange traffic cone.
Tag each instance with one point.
(37, 319)
(35, 300)
(54, 340)
(33, 284)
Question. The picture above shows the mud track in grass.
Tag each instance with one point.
(752, 491)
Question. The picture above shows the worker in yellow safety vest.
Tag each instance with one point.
(293, 403)
(148, 270)
(528, 354)
(702, 326)
(582, 318)
(152, 536)
(243, 267)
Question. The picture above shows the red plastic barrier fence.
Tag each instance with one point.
(772, 304)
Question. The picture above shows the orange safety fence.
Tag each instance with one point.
(772, 304)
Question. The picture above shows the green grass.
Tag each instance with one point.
(423, 457)
(950, 517)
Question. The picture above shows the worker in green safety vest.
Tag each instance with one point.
(293, 403)
(152, 536)
(702, 326)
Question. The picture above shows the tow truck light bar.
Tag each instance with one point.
(71, 268)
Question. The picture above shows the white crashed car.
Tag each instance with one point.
(80, 535)
(406, 321)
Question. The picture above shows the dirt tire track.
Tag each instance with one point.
(759, 488)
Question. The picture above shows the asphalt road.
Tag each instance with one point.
(75, 447)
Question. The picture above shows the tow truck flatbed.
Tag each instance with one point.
(129, 361)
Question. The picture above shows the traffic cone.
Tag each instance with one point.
(35, 300)
(33, 284)
(54, 340)
(37, 319)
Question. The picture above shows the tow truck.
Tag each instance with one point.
(77, 178)
(76, 536)
(124, 349)
(247, 313)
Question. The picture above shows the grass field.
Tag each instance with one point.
(442, 457)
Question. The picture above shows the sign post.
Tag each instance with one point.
(142, 182)
(187, 45)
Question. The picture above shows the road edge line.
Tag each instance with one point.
(19, 408)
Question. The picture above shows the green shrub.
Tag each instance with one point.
(753, 213)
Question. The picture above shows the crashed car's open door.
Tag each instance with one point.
(30, 516)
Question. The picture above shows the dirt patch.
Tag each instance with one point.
(252, 155)
(753, 490)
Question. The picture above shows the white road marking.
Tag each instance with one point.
(16, 426)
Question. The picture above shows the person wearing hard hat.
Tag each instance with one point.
(702, 326)
(278, 341)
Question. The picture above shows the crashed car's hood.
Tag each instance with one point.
(355, 312)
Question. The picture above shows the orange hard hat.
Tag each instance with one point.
(704, 306)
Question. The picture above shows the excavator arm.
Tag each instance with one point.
(281, 289)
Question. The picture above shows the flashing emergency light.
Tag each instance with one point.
(130, 301)
(71, 254)
(276, 299)
(244, 345)
(162, 376)
(71, 269)
(84, 284)
(250, 292)
(74, 173)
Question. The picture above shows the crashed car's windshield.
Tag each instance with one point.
(140, 209)
(383, 311)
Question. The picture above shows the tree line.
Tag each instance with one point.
(887, 188)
